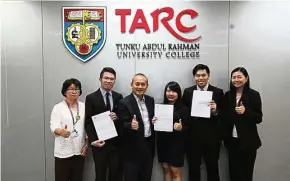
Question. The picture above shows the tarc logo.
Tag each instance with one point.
(140, 21)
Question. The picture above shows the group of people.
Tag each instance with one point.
(129, 156)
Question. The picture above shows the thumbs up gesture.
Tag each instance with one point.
(178, 126)
(240, 109)
(134, 123)
(65, 132)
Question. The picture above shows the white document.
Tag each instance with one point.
(200, 103)
(104, 126)
(164, 114)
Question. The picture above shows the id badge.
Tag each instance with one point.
(74, 134)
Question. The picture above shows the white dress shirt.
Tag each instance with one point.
(61, 116)
(145, 115)
(104, 92)
(204, 89)
(235, 133)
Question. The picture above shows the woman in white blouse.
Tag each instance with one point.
(67, 124)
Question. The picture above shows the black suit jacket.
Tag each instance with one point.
(133, 140)
(95, 105)
(204, 130)
(246, 124)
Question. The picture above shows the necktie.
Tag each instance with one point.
(108, 105)
(201, 89)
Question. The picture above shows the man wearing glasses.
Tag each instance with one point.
(106, 154)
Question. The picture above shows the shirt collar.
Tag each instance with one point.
(137, 98)
(104, 92)
(205, 87)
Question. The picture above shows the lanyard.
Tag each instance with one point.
(77, 116)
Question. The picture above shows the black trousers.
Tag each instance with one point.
(241, 162)
(69, 169)
(141, 169)
(195, 152)
(107, 163)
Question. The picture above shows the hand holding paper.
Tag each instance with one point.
(212, 105)
(113, 116)
(98, 143)
(200, 103)
(104, 126)
(154, 120)
(164, 113)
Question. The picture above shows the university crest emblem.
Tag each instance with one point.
(84, 30)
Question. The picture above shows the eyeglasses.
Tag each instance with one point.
(108, 78)
(71, 90)
(200, 75)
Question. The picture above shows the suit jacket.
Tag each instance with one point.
(204, 130)
(133, 140)
(246, 124)
(95, 105)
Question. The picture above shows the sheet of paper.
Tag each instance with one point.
(164, 114)
(200, 103)
(104, 126)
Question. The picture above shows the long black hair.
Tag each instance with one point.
(175, 87)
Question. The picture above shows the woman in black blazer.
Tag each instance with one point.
(171, 145)
(241, 112)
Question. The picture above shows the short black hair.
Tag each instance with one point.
(245, 73)
(108, 69)
(200, 67)
(67, 83)
(175, 87)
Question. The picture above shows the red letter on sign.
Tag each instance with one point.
(143, 24)
(155, 16)
(180, 26)
(123, 13)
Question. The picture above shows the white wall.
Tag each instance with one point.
(259, 41)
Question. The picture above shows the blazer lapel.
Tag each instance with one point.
(100, 99)
(149, 107)
(190, 95)
(114, 96)
(245, 97)
(135, 108)
(210, 88)
(233, 100)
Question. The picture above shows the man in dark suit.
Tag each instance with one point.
(203, 138)
(106, 154)
(136, 112)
